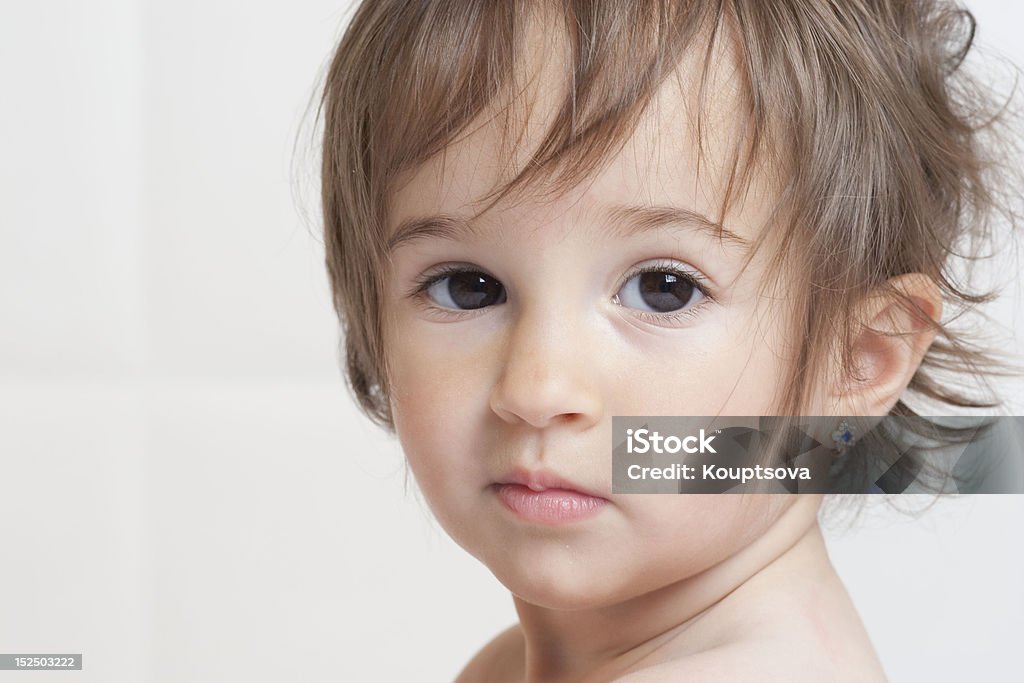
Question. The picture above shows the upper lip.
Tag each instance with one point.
(541, 479)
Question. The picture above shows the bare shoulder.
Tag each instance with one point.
(794, 658)
(763, 664)
(501, 658)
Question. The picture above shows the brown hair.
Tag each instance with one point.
(885, 149)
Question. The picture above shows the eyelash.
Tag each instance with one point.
(427, 281)
(699, 282)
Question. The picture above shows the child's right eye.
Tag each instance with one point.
(462, 289)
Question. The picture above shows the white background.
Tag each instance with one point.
(187, 493)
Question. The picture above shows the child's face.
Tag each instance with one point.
(528, 369)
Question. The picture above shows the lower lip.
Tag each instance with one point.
(550, 506)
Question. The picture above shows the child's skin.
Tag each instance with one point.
(654, 587)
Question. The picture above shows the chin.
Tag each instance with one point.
(563, 583)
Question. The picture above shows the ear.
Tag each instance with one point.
(893, 335)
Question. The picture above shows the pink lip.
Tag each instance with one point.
(541, 496)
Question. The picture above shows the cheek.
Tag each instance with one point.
(731, 368)
(421, 407)
(437, 404)
(751, 365)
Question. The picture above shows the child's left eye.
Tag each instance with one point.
(664, 290)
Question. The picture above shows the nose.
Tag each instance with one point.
(549, 376)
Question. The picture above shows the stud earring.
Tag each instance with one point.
(844, 438)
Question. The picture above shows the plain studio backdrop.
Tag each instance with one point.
(187, 492)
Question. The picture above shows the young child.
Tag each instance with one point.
(539, 215)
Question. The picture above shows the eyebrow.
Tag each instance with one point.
(620, 221)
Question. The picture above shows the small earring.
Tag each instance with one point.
(844, 438)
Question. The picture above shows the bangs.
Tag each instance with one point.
(460, 66)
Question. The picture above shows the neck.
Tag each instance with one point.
(693, 614)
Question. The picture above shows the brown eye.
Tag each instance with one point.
(465, 290)
(660, 291)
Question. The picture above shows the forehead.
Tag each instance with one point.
(680, 151)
